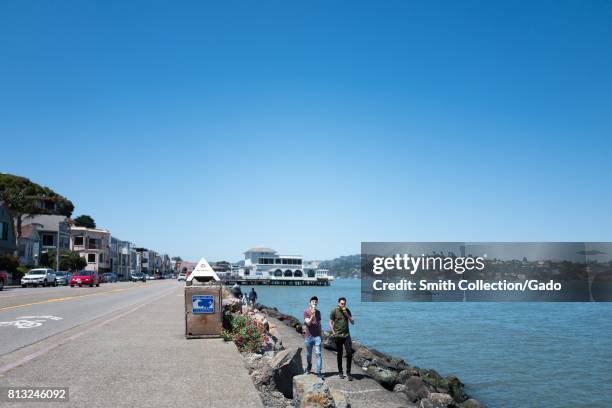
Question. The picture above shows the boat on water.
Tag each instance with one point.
(264, 266)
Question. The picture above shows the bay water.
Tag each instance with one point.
(529, 354)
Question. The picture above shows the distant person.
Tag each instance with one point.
(339, 319)
(252, 297)
(312, 335)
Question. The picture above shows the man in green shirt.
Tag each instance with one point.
(339, 319)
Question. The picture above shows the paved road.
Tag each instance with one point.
(28, 315)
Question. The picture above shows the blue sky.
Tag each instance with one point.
(203, 129)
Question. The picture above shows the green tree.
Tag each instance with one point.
(85, 221)
(22, 196)
(177, 258)
(8, 263)
(69, 261)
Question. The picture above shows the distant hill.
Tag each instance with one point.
(344, 266)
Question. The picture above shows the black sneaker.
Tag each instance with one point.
(349, 377)
(321, 376)
(308, 370)
(340, 375)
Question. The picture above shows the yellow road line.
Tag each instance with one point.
(63, 299)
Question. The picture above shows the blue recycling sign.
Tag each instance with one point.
(203, 304)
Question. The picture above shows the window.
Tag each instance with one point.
(91, 258)
(48, 240)
(101, 258)
(78, 241)
(95, 243)
(4, 231)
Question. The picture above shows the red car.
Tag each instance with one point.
(3, 279)
(81, 278)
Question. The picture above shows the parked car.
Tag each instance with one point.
(62, 278)
(150, 277)
(3, 279)
(39, 276)
(110, 277)
(181, 277)
(83, 277)
(135, 277)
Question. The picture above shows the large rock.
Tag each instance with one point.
(341, 400)
(309, 391)
(434, 380)
(455, 388)
(275, 399)
(405, 374)
(383, 376)
(441, 400)
(328, 342)
(399, 388)
(471, 403)
(415, 389)
(286, 364)
(263, 377)
(253, 361)
(362, 355)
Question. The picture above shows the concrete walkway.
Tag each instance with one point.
(137, 358)
(363, 391)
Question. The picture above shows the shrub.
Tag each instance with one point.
(245, 333)
(8, 263)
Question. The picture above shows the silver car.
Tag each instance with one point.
(62, 278)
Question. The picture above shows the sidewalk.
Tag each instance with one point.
(142, 359)
(363, 391)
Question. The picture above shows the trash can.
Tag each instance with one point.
(203, 311)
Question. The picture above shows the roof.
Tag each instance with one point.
(261, 249)
(48, 222)
(77, 228)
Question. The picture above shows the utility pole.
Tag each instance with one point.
(59, 225)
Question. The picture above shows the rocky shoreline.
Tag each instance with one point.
(423, 387)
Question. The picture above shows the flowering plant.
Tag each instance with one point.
(245, 333)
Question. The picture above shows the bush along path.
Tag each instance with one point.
(418, 387)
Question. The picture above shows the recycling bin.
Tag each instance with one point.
(203, 311)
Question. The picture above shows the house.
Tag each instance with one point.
(93, 244)
(53, 232)
(185, 267)
(122, 258)
(7, 231)
(146, 260)
(28, 246)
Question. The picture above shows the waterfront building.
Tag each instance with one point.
(265, 265)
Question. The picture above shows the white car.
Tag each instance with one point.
(39, 276)
(181, 276)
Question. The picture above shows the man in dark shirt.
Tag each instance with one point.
(252, 297)
(312, 335)
(339, 319)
